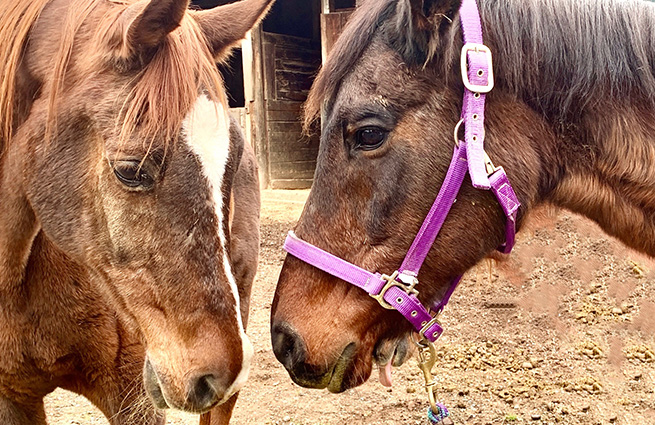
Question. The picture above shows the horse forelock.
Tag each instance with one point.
(159, 95)
(167, 87)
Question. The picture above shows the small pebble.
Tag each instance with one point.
(286, 418)
(535, 416)
(617, 310)
(527, 365)
(613, 418)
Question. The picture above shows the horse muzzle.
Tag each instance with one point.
(291, 351)
(202, 391)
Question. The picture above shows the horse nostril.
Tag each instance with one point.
(288, 347)
(203, 392)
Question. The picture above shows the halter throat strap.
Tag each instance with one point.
(398, 290)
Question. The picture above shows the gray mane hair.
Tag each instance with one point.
(580, 50)
(560, 56)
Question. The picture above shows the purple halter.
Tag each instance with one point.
(398, 290)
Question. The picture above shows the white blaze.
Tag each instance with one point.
(207, 133)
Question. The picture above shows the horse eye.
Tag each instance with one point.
(370, 138)
(132, 174)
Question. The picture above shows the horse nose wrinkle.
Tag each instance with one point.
(288, 346)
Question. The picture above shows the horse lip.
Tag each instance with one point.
(153, 387)
(332, 379)
(336, 383)
(392, 350)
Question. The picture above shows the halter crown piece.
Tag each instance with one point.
(398, 291)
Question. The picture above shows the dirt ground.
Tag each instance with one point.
(562, 332)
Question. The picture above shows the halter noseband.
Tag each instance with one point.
(398, 290)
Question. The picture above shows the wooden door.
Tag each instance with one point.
(289, 64)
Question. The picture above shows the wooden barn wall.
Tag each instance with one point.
(331, 27)
(290, 64)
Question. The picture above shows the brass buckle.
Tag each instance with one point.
(427, 326)
(393, 281)
(476, 88)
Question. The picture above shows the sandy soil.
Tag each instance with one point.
(562, 332)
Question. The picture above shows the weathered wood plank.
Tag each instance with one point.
(284, 116)
(293, 170)
(296, 54)
(293, 155)
(331, 27)
(291, 183)
(287, 40)
(258, 109)
(308, 69)
(284, 127)
(284, 106)
(268, 60)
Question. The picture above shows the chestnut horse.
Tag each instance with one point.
(74, 340)
(116, 174)
(570, 119)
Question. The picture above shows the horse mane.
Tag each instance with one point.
(560, 56)
(582, 52)
(16, 20)
(157, 99)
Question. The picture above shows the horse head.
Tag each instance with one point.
(391, 94)
(126, 165)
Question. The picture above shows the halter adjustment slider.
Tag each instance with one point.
(489, 165)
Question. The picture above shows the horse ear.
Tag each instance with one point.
(224, 26)
(146, 23)
(420, 25)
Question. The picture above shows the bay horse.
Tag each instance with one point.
(570, 119)
(117, 162)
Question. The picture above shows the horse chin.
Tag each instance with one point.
(394, 350)
(337, 379)
(343, 371)
(354, 368)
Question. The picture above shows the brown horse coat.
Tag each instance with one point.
(570, 119)
(71, 338)
(115, 153)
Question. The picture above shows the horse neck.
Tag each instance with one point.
(587, 69)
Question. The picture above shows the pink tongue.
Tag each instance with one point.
(385, 374)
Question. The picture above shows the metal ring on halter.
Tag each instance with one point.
(456, 132)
